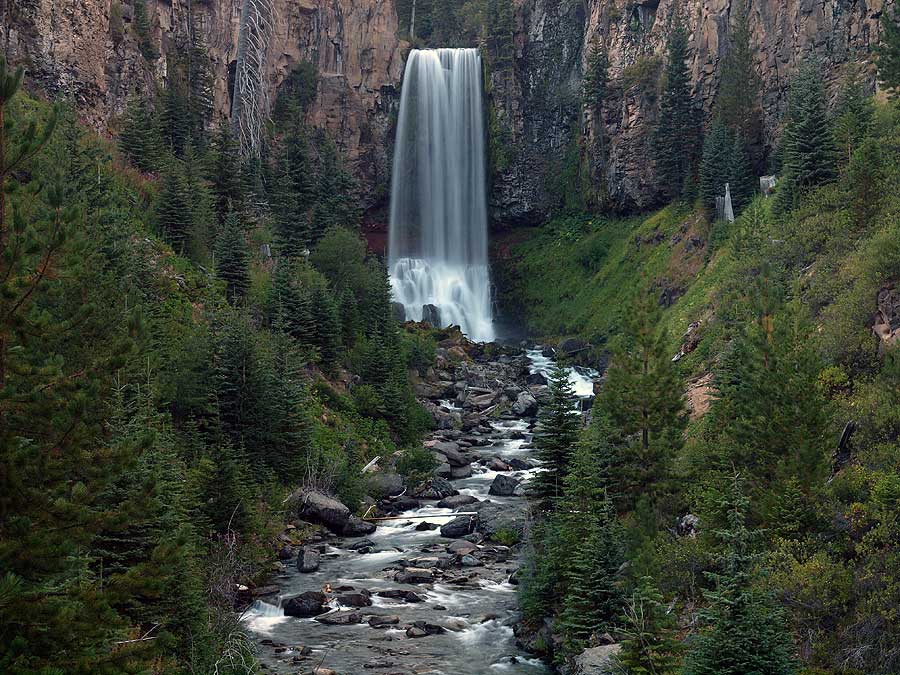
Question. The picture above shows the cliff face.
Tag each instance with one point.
(89, 52)
(541, 100)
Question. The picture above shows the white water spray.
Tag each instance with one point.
(438, 229)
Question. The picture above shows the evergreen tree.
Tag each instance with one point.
(200, 83)
(232, 259)
(715, 165)
(745, 631)
(852, 117)
(143, 28)
(173, 210)
(175, 120)
(327, 322)
(737, 103)
(650, 646)
(596, 77)
(865, 174)
(676, 135)
(444, 28)
(226, 175)
(139, 139)
(808, 144)
(336, 203)
(558, 429)
(741, 177)
(888, 51)
(644, 397)
(593, 599)
(292, 305)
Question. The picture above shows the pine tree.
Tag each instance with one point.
(737, 103)
(745, 631)
(596, 77)
(139, 140)
(174, 119)
(558, 429)
(444, 28)
(676, 135)
(173, 211)
(888, 51)
(644, 397)
(226, 175)
(292, 306)
(327, 322)
(232, 259)
(865, 174)
(650, 646)
(808, 144)
(200, 83)
(741, 178)
(593, 599)
(715, 165)
(852, 117)
(143, 28)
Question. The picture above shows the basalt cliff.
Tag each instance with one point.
(90, 51)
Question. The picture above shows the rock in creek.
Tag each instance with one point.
(361, 544)
(451, 451)
(319, 508)
(526, 405)
(458, 472)
(461, 547)
(380, 621)
(341, 618)
(401, 594)
(414, 575)
(459, 527)
(361, 599)
(503, 486)
(435, 488)
(306, 604)
(422, 629)
(597, 660)
(425, 526)
(456, 501)
(400, 504)
(356, 527)
(308, 560)
(385, 484)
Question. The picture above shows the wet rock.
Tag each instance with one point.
(494, 518)
(450, 450)
(443, 470)
(414, 575)
(308, 560)
(503, 486)
(361, 599)
(423, 629)
(380, 621)
(536, 379)
(572, 346)
(320, 508)
(425, 526)
(497, 464)
(401, 504)
(469, 561)
(459, 527)
(597, 660)
(319, 670)
(431, 314)
(435, 488)
(517, 464)
(456, 501)
(356, 527)
(341, 618)
(526, 405)
(310, 603)
(285, 553)
(361, 544)
(399, 311)
(461, 547)
(458, 472)
(401, 594)
(455, 625)
(548, 352)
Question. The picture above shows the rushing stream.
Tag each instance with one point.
(474, 603)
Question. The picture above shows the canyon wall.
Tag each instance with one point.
(88, 51)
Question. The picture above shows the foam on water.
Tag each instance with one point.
(581, 379)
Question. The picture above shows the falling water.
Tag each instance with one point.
(438, 230)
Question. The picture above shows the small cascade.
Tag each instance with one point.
(438, 226)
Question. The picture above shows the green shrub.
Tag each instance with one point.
(416, 464)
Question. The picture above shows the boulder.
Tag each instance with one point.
(461, 547)
(444, 470)
(504, 486)
(526, 405)
(414, 575)
(381, 620)
(459, 527)
(285, 553)
(401, 594)
(597, 660)
(497, 464)
(431, 314)
(356, 527)
(401, 504)
(310, 603)
(469, 561)
(355, 600)
(385, 484)
(341, 618)
(458, 472)
(537, 379)
(361, 544)
(435, 488)
(307, 560)
(517, 464)
(425, 526)
(456, 501)
(494, 517)
(451, 451)
(320, 508)
(422, 629)
(572, 346)
(399, 311)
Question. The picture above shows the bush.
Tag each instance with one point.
(416, 464)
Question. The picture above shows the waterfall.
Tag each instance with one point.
(438, 228)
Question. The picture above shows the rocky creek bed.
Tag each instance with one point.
(429, 593)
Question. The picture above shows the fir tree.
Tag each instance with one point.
(292, 305)
(232, 259)
(173, 210)
(866, 173)
(808, 144)
(558, 429)
(596, 77)
(715, 165)
(139, 140)
(200, 83)
(174, 119)
(745, 631)
(741, 178)
(226, 175)
(737, 102)
(593, 599)
(676, 134)
(644, 397)
(852, 117)
(327, 322)
(888, 51)
(650, 646)
(444, 27)
(143, 28)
